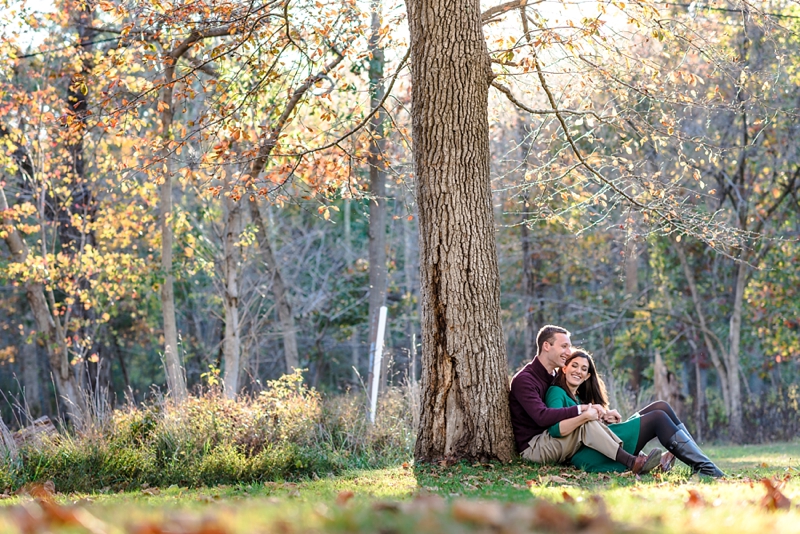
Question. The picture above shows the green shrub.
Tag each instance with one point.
(288, 431)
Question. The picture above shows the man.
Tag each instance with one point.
(530, 417)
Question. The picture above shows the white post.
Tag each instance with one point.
(376, 364)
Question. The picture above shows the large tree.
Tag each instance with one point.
(464, 407)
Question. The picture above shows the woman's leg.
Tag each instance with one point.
(677, 441)
(655, 424)
(663, 407)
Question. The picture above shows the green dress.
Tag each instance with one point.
(589, 459)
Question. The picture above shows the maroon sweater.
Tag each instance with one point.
(529, 414)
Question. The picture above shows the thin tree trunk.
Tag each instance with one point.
(176, 381)
(732, 357)
(31, 379)
(719, 365)
(631, 265)
(48, 327)
(285, 315)
(464, 405)
(377, 184)
(528, 270)
(348, 258)
(409, 265)
(230, 271)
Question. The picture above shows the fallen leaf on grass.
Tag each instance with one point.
(39, 491)
(4, 496)
(484, 513)
(557, 479)
(764, 464)
(343, 497)
(531, 483)
(151, 491)
(405, 465)
(567, 497)
(386, 506)
(181, 525)
(294, 494)
(42, 514)
(774, 499)
(695, 499)
(548, 516)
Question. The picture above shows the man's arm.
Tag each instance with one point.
(531, 398)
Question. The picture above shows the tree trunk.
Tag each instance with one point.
(285, 315)
(230, 272)
(528, 270)
(377, 184)
(719, 365)
(48, 327)
(409, 263)
(348, 258)
(176, 382)
(732, 357)
(464, 405)
(31, 379)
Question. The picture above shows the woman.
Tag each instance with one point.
(578, 382)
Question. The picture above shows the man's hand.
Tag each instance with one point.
(611, 416)
(591, 414)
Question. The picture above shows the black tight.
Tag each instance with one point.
(661, 406)
(656, 424)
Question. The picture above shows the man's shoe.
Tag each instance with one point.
(667, 461)
(645, 464)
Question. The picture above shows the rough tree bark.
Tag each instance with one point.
(377, 186)
(464, 406)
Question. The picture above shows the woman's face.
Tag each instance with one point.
(576, 371)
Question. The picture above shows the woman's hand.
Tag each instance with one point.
(611, 416)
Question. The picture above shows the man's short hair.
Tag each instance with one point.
(548, 333)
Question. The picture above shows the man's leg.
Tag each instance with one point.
(545, 449)
(597, 436)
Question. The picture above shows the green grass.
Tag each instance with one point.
(516, 497)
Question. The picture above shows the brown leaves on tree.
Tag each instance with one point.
(774, 499)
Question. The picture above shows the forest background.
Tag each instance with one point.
(209, 194)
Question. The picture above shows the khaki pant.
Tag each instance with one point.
(545, 449)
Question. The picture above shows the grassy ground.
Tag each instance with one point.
(517, 497)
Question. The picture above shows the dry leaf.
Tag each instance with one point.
(567, 497)
(405, 465)
(557, 479)
(774, 499)
(550, 517)
(151, 491)
(294, 494)
(531, 483)
(386, 506)
(695, 500)
(343, 497)
(484, 513)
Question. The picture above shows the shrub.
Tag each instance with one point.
(285, 432)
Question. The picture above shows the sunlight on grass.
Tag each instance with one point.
(388, 500)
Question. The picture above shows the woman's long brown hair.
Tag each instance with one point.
(592, 390)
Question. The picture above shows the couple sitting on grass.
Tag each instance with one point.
(559, 412)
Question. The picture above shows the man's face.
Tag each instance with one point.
(557, 352)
